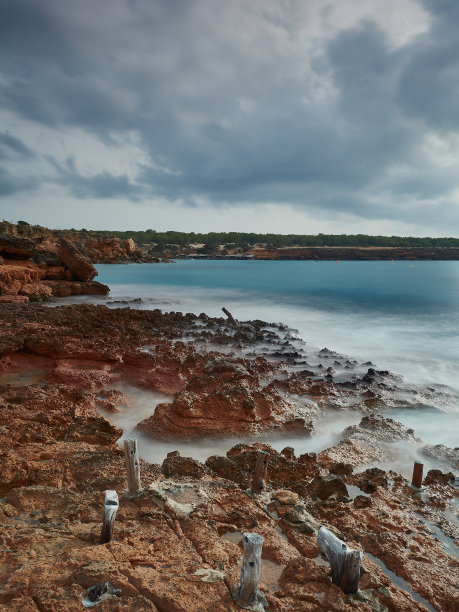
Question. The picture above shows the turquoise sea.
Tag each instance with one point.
(403, 316)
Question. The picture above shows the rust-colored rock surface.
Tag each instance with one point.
(76, 261)
(356, 253)
(39, 266)
(177, 543)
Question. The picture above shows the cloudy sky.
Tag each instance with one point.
(262, 115)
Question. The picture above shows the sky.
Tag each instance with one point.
(284, 116)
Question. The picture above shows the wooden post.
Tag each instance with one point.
(259, 479)
(417, 474)
(250, 571)
(132, 465)
(345, 562)
(229, 315)
(110, 509)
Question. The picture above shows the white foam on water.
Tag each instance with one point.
(142, 404)
(409, 347)
(423, 348)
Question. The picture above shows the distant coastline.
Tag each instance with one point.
(338, 253)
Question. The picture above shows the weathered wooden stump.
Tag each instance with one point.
(417, 474)
(250, 571)
(260, 478)
(110, 509)
(345, 562)
(230, 316)
(132, 466)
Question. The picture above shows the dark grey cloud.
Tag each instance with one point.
(102, 185)
(429, 88)
(12, 146)
(11, 185)
(239, 102)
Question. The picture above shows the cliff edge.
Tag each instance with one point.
(36, 265)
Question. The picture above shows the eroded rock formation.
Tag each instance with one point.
(37, 266)
(177, 545)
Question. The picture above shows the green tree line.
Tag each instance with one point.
(242, 239)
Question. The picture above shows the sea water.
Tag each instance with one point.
(401, 315)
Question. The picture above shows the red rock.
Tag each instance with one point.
(175, 465)
(13, 299)
(177, 545)
(76, 261)
(13, 278)
(62, 288)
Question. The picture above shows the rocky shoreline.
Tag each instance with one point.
(177, 544)
(358, 253)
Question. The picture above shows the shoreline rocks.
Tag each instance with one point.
(177, 544)
(40, 267)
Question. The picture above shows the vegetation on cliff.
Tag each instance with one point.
(243, 239)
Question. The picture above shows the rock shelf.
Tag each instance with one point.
(176, 545)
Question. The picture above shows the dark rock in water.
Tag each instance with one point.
(325, 352)
(443, 453)
(439, 477)
(328, 486)
(380, 429)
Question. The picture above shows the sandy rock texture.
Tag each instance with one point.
(177, 543)
(37, 266)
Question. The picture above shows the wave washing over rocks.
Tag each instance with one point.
(67, 374)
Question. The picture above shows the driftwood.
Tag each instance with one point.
(231, 319)
(260, 478)
(110, 509)
(345, 562)
(250, 571)
(417, 474)
(132, 466)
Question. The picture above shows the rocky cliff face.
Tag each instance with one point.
(109, 249)
(359, 253)
(101, 248)
(35, 265)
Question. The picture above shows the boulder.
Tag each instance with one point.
(129, 246)
(439, 477)
(176, 465)
(328, 486)
(76, 261)
(286, 497)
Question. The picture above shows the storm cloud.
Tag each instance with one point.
(334, 109)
